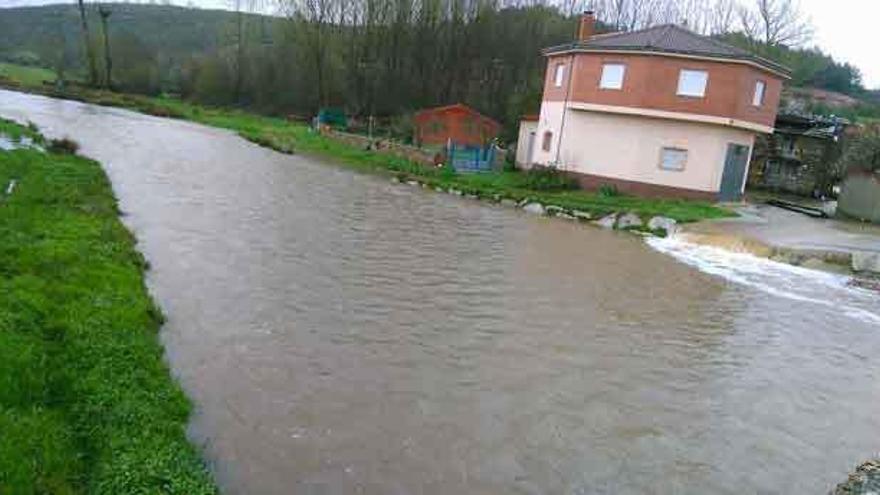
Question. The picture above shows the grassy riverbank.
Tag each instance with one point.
(87, 404)
(290, 137)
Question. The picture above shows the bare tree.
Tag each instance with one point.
(723, 17)
(776, 22)
(87, 43)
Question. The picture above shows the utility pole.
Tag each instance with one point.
(108, 59)
(564, 109)
(87, 43)
(239, 51)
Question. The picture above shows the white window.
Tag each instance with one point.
(692, 83)
(612, 76)
(560, 75)
(758, 97)
(673, 159)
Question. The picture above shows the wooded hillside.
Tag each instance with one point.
(379, 57)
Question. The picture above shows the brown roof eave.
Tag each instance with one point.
(769, 65)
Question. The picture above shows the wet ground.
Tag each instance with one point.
(778, 227)
(342, 334)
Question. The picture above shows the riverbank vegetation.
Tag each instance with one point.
(293, 137)
(87, 403)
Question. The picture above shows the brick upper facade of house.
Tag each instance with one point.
(651, 82)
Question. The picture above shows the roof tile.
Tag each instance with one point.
(668, 38)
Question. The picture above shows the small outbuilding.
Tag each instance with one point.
(799, 156)
(525, 142)
(457, 124)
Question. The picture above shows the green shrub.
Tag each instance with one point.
(548, 179)
(64, 146)
(608, 191)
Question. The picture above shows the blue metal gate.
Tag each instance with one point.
(471, 158)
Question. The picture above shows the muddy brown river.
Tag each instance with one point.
(339, 333)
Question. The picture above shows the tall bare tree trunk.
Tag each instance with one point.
(87, 41)
(239, 55)
(108, 60)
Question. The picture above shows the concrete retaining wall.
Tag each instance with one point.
(860, 197)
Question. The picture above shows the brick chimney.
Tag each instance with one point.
(587, 27)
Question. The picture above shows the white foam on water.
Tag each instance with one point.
(775, 278)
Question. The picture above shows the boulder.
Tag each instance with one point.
(508, 202)
(395, 179)
(607, 222)
(565, 216)
(866, 283)
(581, 215)
(629, 221)
(412, 182)
(534, 208)
(866, 261)
(553, 210)
(665, 224)
(865, 480)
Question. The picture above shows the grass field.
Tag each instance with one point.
(291, 137)
(29, 76)
(87, 404)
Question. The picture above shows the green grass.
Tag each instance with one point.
(87, 403)
(28, 76)
(16, 132)
(289, 137)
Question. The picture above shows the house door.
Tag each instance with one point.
(734, 176)
(530, 153)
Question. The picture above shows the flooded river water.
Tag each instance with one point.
(339, 333)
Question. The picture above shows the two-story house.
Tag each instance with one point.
(659, 112)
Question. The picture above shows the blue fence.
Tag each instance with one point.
(471, 158)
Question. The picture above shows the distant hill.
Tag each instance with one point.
(33, 35)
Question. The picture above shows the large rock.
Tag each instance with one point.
(865, 480)
(629, 221)
(866, 261)
(534, 208)
(553, 210)
(582, 215)
(607, 222)
(667, 225)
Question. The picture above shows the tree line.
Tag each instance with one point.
(388, 57)
(391, 57)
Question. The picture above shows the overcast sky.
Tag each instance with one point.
(847, 29)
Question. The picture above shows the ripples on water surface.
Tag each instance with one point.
(340, 333)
